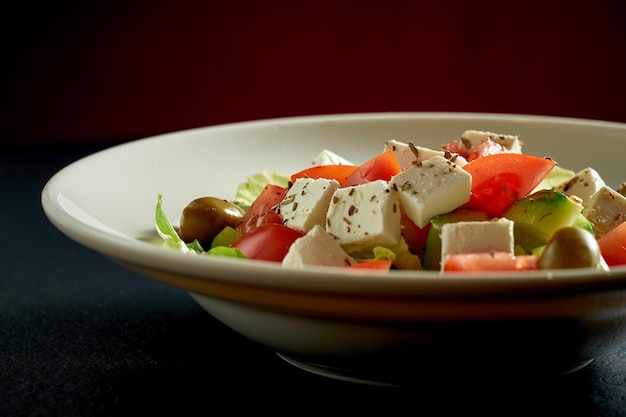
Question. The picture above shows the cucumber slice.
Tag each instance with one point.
(540, 214)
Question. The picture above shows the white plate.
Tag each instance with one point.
(347, 324)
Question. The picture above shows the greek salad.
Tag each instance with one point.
(476, 204)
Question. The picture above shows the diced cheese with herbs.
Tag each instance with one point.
(606, 209)
(326, 157)
(585, 183)
(431, 187)
(306, 203)
(407, 154)
(472, 138)
(364, 216)
(477, 237)
(316, 247)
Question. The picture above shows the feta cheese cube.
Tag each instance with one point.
(606, 209)
(432, 187)
(477, 237)
(364, 216)
(326, 157)
(472, 138)
(306, 203)
(316, 247)
(583, 184)
(407, 154)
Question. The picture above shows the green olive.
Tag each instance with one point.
(205, 217)
(571, 247)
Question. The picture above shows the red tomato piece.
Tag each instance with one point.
(497, 261)
(414, 236)
(381, 167)
(263, 209)
(613, 245)
(333, 172)
(500, 180)
(378, 264)
(454, 147)
(268, 242)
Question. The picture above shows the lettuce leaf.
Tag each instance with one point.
(404, 258)
(399, 255)
(168, 233)
(248, 191)
(226, 252)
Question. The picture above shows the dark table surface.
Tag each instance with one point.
(82, 336)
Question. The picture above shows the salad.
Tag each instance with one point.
(478, 203)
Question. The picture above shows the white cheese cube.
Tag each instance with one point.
(306, 203)
(477, 237)
(364, 216)
(606, 209)
(582, 185)
(432, 187)
(316, 247)
(407, 154)
(472, 138)
(326, 157)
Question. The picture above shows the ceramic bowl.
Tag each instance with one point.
(381, 328)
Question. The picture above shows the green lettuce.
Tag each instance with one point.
(226, 252)
(248, 191)
(399, 255)
(404, 258)
(168, 233)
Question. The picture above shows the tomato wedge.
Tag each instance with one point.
(613, 245)
(497, 261)
(381, 167)
(333, 172)
(414, 236)
(263, 209)
(267, 242)
(454, 147)
(500, 180)
(379, 264)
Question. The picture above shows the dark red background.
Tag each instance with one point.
(118, 70)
